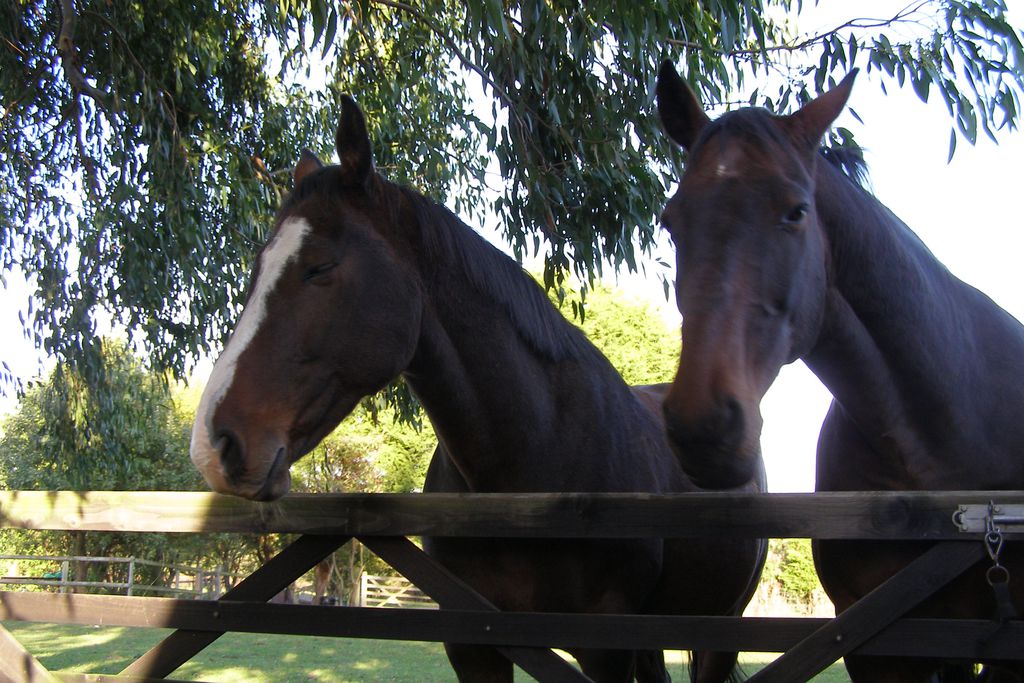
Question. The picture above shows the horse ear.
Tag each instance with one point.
(678, 107)
(813, 119)
(307, 164)
(353, 144)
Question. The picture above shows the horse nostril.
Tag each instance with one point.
(232, 456)
(724, 426)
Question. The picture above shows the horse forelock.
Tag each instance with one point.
(757, 127)
(753, 128)
(848, 159)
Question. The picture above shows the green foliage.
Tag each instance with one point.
(144, 146)
(130, 147)
(790, 566)
(368, 453)
(643, 348)
(969, 54)
(119, 431)
(124, 431)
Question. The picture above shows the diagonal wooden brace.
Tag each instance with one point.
(904, 590)
(451, 592)
(17, 665)
(263, 584)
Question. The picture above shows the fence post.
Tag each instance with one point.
(64, 567)
(197, 587)
(131, 574)
(218, 582)
(363, 580)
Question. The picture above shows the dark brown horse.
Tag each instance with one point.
(364, 281)
(782, 255)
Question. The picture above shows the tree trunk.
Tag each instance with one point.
(80, 570)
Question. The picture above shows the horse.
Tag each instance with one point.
(783, 254)
(364, 281)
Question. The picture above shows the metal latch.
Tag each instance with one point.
(976, 518)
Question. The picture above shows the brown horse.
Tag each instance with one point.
(364, 281)
(782, 255)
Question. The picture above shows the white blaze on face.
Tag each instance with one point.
(283, 248)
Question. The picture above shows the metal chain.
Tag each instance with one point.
(998, 576)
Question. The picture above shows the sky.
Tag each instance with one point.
(969, 212)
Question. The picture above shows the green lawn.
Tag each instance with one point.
(258, 658)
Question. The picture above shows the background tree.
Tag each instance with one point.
(789, 576)
(125, 432)
(122, 431)
(641, 346)
(143, 145)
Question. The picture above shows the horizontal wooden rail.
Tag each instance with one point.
(76, 558)
(850, 515)
(383, 521)
(906, 637)
(106, 585)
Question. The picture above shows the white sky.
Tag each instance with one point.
(970, 213)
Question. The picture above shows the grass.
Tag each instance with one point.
(260, 658)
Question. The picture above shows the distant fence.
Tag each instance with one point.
(193, 582)
(186, 581)
(391, 591)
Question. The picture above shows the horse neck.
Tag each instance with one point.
(513, 416)
(905, 346)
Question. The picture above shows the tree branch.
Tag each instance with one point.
(452, 45)
(69, 56)
(859, 23)
(162, 95)
(511, 103)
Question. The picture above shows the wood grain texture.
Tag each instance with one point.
(904, 637)
(850, 515)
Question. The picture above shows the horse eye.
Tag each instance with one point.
(797, 214)
(320, 269)
(774, 309)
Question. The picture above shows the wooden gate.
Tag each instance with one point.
(391, 591)
(955, 521)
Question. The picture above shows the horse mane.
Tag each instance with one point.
(447, 240)
(449, 245)
(849, 160)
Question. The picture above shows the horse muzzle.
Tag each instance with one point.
(713, 450)
(231, 466)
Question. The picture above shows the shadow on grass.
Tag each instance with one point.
(266, 658)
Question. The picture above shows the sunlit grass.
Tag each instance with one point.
(266, 658)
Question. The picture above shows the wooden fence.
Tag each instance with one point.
(186, 581)
(391, 591)
(955, 521)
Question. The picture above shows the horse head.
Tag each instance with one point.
(751, 261)
(332, 315)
